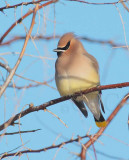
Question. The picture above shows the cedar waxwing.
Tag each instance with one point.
(77, 70)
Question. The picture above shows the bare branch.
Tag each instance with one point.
(29, 85)
(20, 4)
(43, 149)
(16, 38)
(57, 118)
(23, 17)
(101, 130)
(86, 146)
(26, 86)
(11, 74)
(124, 5)
(106, 3)
(47, 38)
(39, 1)
(19, 132)
(58, 100)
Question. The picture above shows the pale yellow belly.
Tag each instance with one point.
(70, 85)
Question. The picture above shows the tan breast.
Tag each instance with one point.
(75, 75)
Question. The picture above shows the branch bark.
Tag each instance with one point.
(23, 17)
(85, 38)
(20, 4)
(101, 130)
(58, 100)
(103, 3)
(11, 74)
(87, 145)
(25, 78)
(43, 149)
(19, 132)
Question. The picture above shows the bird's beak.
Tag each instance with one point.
(58, 50)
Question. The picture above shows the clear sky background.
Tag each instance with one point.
(98, 22)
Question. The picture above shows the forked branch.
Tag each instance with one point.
(87, 145)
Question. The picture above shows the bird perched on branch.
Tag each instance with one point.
(77, 70)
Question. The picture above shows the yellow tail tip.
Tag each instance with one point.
(101, 124)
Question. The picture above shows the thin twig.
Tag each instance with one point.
(16, 38)
(58, 100)
(123, 27)
(47, 38)
(90, 137)
(20, 146)
(39, 1)
(104, 3)
(20, 132)
(20, 4)
(57, 117)
(28, 86)
(25, 78)
(43, 149)
(124, 5)
(11, 74)
(23, 17)
(87, 145)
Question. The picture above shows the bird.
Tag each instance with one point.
(77, 70)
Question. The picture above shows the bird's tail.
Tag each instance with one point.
(101, 122)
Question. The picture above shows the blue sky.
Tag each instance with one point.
(100, 22)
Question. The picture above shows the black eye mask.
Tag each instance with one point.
(66, 47)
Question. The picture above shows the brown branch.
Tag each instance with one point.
(87, 145)
(109, 42)
(43, 149)
(16, 38)
(43, 5)
(101, 130)
(92, 147)
(124, 5)
(19, 132)
(20, 4)
(23, 17)
(11, 74)
(91, 40)
(107, 3)
(28, 86)
(55, 101)
(39, 1)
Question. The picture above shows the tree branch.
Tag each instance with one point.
(124, 5)
(11, 74)
(101, 130)
(47, 38)
(20, 4)
(26, 86)
(58, 100)
(105, 3)
(19, 132)
(87, 145)
(23, 17)
(43, 149)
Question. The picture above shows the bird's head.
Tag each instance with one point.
(68, 44)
